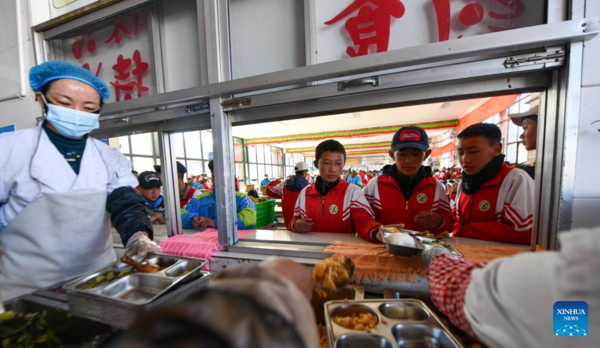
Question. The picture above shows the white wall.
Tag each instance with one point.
(18, 112)
(586, 201)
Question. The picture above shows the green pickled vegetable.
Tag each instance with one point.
(103, 280)
(28, 331)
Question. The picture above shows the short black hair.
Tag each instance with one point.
(134, 172)
(331, 146)
(211, 165)
(299, 172)
(534, 118)
(490, 131)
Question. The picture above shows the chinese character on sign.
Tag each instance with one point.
(371, 26)
(472, 14)
(82, 44)
(120, 29)
(139, 68)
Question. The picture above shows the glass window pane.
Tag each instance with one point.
(119, 50)
(141, 144)
(511, 153)
(254, 174)
(177, 143)
(512, 132)
(261, 171)
(251, 153)
(274, 152)
(238, 150)
(239, 173)
(268, 155)
(195, 167)
(522, 157)
(192, 145)
(260, 154)
(124, 144)
(142, 164)
(207, 145)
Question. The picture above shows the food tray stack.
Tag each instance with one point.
(123, 301)
(400, 323)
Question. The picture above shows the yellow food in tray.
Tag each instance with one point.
(360, 321)
(333, 272)
(323, 340)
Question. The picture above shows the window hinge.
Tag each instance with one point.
(552, 57)
(236, 103)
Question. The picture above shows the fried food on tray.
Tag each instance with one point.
(357, 321)
(333, 272)
(323, 340)
(144, 267)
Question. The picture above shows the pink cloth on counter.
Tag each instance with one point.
(202, 244)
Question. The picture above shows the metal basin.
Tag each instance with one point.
(318, 301)
(404, 311)
(137, 288)
(183, 268)
(83, 284)
(72, 331)
(421, 336)
(163, 261)
(363, 341)
(351, 309)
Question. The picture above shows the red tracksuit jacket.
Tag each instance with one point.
(390, 206)
(287, 196)
(501, 210)
(343, 209)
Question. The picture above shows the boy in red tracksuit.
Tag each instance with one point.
(330, 204)
(407, 193)
(494, 201)
(289, 190)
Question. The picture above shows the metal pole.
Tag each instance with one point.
(224, 174)
(170, 184)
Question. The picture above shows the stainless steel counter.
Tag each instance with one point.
(305, 248)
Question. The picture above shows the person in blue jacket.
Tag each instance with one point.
(354, 178)
(202, 211)
(265, 181)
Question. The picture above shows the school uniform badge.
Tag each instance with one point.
(422, 198)
(484, 206)
(333, 209)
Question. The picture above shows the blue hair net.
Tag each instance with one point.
(56, 70)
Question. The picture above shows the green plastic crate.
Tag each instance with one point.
(265, 213)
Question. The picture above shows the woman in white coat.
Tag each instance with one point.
(58, 187)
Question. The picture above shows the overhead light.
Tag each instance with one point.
(445, 105)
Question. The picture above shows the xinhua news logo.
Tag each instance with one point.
(571, 319)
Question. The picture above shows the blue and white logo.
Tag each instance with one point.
(571, 319)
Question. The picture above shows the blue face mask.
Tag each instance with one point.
(71, 123)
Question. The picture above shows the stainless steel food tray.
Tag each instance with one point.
(138, 288)
(406, 251)
(401, 323)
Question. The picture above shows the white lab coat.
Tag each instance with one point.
(509, 303)
(18, 174)
(54, 223)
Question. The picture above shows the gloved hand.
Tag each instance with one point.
(140, 244)
(427, 255)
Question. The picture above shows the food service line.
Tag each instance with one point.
(307, 249)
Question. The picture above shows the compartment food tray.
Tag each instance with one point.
(123, 301)
(401, 324)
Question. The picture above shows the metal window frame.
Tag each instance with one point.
(471, 48)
